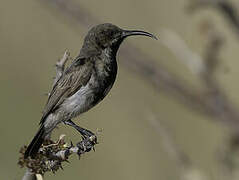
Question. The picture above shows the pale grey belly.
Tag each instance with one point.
(80, 102)
(73, 106)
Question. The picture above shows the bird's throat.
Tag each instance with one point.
(108, 55)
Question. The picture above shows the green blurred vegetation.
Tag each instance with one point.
(33, 36)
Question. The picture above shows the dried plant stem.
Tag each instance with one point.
(29, 175)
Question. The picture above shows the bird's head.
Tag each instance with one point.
(110, 36)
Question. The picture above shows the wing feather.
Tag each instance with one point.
(71, 81)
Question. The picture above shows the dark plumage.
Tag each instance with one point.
(84, 83)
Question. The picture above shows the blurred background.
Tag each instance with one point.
(178, 120)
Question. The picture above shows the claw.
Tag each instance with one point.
(71, 144)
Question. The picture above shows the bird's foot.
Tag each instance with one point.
(89, 136)
(87, 144)
(86, 134)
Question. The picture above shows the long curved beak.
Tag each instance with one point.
(127, 33)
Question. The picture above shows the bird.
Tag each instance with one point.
(84, 83)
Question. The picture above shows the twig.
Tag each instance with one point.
(51, 155)
(183, 162)
(60, 66)
(29, 175)
(181, 50)
(181, 159)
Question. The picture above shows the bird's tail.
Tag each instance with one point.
(36, 143)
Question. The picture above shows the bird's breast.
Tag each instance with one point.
(104, 76)
(93, 92)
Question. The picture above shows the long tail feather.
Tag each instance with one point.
(36, 143)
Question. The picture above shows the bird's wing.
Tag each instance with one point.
(74, 77)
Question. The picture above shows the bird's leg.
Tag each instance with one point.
(84, 132)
